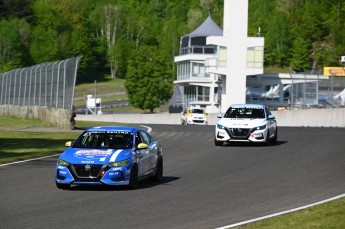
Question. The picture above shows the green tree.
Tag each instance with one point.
(15, 9)
(12, 49)
(277, 41)
(300, 57)
(60, 31)
(149, 79)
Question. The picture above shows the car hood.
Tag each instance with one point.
(242, 122)
(95, 156)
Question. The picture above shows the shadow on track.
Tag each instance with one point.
(143, 184)
(252, 144)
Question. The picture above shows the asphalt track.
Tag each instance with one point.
(204, 186)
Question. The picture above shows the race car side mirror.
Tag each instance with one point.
(142, 146)
(271, 117)
(219, 115)
(68, 144)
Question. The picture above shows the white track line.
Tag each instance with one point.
(33, 159)
(281, 213)
(149, 129)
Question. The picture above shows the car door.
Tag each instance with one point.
(142, 155)
(151, 151)
(270, 122)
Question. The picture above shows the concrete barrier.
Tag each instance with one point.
(58, 117)
(61, 117)
(311, 118)
(294, 118)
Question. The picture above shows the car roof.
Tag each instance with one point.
(248, 106)
(113, 128)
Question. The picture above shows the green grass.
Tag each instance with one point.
(19, 145)
(109, 89)
(276, 69)
(17, 122)
(105, 89)
(328, 215)
(22, 145)
(108, 86)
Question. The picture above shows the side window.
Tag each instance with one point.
(145, 137)
(268, 112)
(137, 139)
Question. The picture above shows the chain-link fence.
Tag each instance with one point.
(48, 84)
(332, 92)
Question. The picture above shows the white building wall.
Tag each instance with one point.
(235, 30)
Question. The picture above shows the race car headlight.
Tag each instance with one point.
(220, 126)
(259, 128)
(63, 163)
(119, 163)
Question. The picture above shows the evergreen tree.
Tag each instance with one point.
(300, 56)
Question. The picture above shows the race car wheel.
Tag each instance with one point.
(133, 179)
(268, 140)
(274, 139)
(159, 171)
(62, 186)
(218, 143)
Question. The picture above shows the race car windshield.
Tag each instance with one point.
(251, 113)
(104, 140)
(197, 111)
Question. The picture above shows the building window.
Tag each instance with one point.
(199, 70)
(183, 70)
(264, 94)
(197, 94)
(222, 56)
(255, 57)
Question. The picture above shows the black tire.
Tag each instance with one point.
(133, 179)
(62, 186)
(159, 171)
(217, 143)
(274, 140)
(268, 140)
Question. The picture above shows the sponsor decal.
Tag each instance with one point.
(115, 174)
(105, 131)
(240, 124)
(337, 71)
(258, 134)
(92, 154)
(87, 162)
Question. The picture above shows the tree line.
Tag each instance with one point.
(114, 35)
(303, 35)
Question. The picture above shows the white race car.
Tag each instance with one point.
(246, 123)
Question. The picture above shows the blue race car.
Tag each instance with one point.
(110, 155)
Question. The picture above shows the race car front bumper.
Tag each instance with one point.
(241, 134)
(108, 176)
